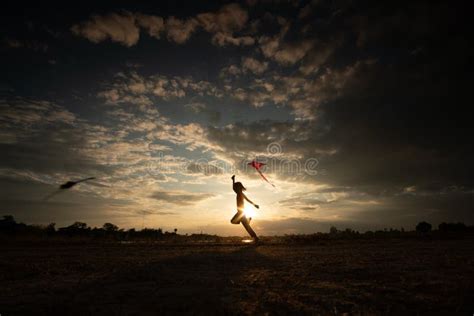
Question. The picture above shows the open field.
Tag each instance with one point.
(332, 277)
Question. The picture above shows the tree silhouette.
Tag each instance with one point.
(423, 227)
(109, 227)
(50, 229)
(109, 231)
(79, 225)
(8, 224)
(8, 219)
(452, 227)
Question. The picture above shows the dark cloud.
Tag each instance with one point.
(147, 212)
(200, 108)
(283, 50)
(180, 197)
(24, 199)
(28, 44)
(40, 136)
(204, 168)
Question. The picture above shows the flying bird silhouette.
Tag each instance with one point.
(257, 165)
(70, 184)
(66, 186)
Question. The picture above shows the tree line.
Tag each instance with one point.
(10, 227)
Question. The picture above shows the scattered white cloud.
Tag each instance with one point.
(125, 27)
(253, 65)
(132, 88)
(120, 28)
(223, 39)
(154, 25)
(285, 53)
(224, 23)
(179, 31)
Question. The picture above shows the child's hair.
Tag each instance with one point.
(238, 187)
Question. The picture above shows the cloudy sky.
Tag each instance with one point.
(355, 106)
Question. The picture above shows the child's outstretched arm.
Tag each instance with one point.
(245, 197)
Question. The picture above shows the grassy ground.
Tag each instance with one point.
(330, 278)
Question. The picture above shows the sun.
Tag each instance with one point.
(249, 211)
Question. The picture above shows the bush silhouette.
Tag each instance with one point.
(423, 227)
(452, 227)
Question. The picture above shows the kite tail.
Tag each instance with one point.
(49, 196)
(86, 179)
(264, 178)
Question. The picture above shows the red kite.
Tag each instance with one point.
(257, 165)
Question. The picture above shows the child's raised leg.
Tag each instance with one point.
(237, 218)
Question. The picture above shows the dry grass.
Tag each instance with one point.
(329, 278)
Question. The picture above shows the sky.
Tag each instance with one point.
(357, 107)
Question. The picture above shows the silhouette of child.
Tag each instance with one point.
(240, 217)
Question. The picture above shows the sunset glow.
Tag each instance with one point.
(249, 211)
(321, 118)
(252, 157)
